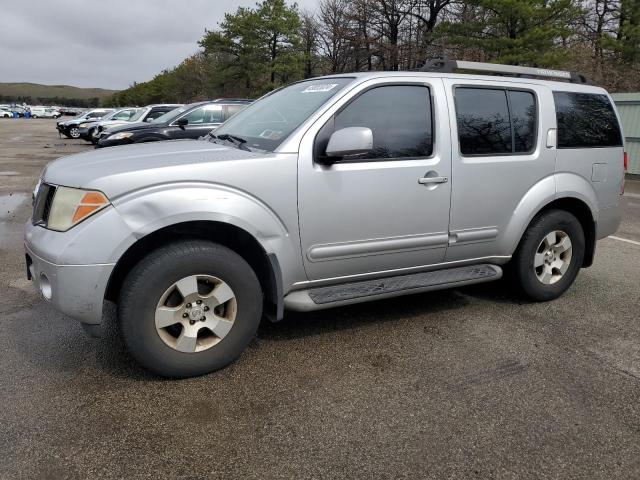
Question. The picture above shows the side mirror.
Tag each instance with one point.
(349, 141)
(182, 122)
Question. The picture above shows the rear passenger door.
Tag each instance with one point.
(498, 137)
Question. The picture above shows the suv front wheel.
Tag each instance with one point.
(550, 255)
(189, 308)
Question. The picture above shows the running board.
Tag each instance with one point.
(363, 291)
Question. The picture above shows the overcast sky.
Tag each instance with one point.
(107, 44)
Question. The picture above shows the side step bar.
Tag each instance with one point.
(363, 291)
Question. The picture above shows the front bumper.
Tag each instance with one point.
(75, 290)
(105, 142)
(72, 269)
(85, 133)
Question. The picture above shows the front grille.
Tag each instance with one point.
(42, 205)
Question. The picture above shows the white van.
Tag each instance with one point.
(44, 112)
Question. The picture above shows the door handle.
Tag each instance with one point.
(431, 180)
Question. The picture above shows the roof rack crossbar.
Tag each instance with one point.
(450, 66)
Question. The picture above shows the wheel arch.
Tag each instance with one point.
(265, 265)
(578, 208)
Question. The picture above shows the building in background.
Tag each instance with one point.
(629, 107)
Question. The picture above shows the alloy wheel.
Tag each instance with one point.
(553, 257)
(195, 313)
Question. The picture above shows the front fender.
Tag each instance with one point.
(151, 209)
(148, 210)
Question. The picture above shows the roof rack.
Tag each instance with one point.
(450, 66)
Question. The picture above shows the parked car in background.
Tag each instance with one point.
(190, 121)
(72, 111)
(69, 128)
(145, 115)
(87, 127)
(328, 192)
(5, 113)
(44, 112)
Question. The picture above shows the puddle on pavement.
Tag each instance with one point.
(10, 202)
(10, 236)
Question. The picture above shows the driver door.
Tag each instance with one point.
(200, 122)
(373, 213)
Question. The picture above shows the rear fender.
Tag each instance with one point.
(543, 193)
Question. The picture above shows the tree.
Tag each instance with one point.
(259, 47)
(518, 32)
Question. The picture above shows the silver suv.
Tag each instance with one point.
(328, 192)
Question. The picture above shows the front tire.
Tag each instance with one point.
(74, 132)
(189, 308)
(549, 256)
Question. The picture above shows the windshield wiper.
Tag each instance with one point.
(236, 140)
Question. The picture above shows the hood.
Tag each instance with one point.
(78, 121)
(135, 126)
(119, 170)
(115, 123)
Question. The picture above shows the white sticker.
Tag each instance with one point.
(323, 87)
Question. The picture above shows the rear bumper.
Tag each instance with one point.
(608, 222)
(75, 290)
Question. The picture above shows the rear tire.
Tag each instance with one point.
(163, 326)
(549, 255)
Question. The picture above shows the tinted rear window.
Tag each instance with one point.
(586, 120)
(495, 121)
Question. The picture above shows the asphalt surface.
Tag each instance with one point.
(466, 383)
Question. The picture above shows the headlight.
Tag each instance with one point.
(83, 125)
(72, 205)
(121, 135)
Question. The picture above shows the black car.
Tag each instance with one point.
(70, 129)
(191, 121)
(145, 114)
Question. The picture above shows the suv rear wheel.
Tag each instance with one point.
(550, 255)
(189, 308)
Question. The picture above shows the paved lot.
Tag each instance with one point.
(458, 384)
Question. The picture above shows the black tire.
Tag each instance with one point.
(147, 282)
(522, 264)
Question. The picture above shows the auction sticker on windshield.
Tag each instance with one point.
(323, 87)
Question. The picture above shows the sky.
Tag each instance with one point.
(107, 44)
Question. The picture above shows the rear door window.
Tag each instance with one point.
(586, 120)
(495, 121)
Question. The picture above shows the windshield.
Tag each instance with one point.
(138, 115)
(266, 123)
(167, 117)
(109, 116)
